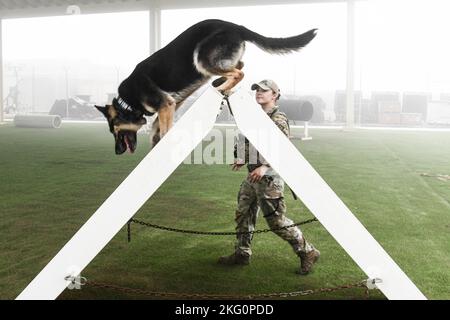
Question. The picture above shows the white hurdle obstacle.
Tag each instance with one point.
(171, 151)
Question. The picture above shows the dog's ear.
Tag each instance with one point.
(103, 110)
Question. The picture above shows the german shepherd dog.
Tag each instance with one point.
(161, 83)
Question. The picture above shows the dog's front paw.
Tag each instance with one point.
(155, 139)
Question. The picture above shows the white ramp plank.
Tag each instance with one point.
(321, 199)
(126, 200)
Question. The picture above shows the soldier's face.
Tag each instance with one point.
(264, 97)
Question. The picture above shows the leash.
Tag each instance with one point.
(225, 98)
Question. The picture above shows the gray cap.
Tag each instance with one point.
(266, 84)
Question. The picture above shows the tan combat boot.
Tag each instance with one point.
(235, 259)
(307, 260)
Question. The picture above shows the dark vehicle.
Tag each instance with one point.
(78, 108)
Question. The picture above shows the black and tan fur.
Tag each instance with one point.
(164, 80)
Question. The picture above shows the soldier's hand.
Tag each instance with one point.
(257, 174)
(237, 165)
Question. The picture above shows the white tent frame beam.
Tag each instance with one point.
(10, 9)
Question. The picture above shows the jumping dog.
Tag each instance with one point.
(161, 83)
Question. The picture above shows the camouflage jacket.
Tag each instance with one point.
(244, 150)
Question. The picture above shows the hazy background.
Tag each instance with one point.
(401, 46)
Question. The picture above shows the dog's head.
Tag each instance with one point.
(123, 126)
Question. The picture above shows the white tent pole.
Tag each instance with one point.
(155, 27)
(350, 106)
(1, 71)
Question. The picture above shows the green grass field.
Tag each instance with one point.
(51, 182)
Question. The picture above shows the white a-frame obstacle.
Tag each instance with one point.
(165, 157)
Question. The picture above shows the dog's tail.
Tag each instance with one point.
(279, 45)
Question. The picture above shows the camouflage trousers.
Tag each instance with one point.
(266, 194)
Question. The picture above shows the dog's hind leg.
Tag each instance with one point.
(219, 81)
(232, 79)
(221, 55)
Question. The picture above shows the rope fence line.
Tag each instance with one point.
(367, 284)
(178, 295)
(210, 233)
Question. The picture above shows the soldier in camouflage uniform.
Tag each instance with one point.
(264, 188)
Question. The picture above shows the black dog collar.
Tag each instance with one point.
(120, 103)
(125, 110)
